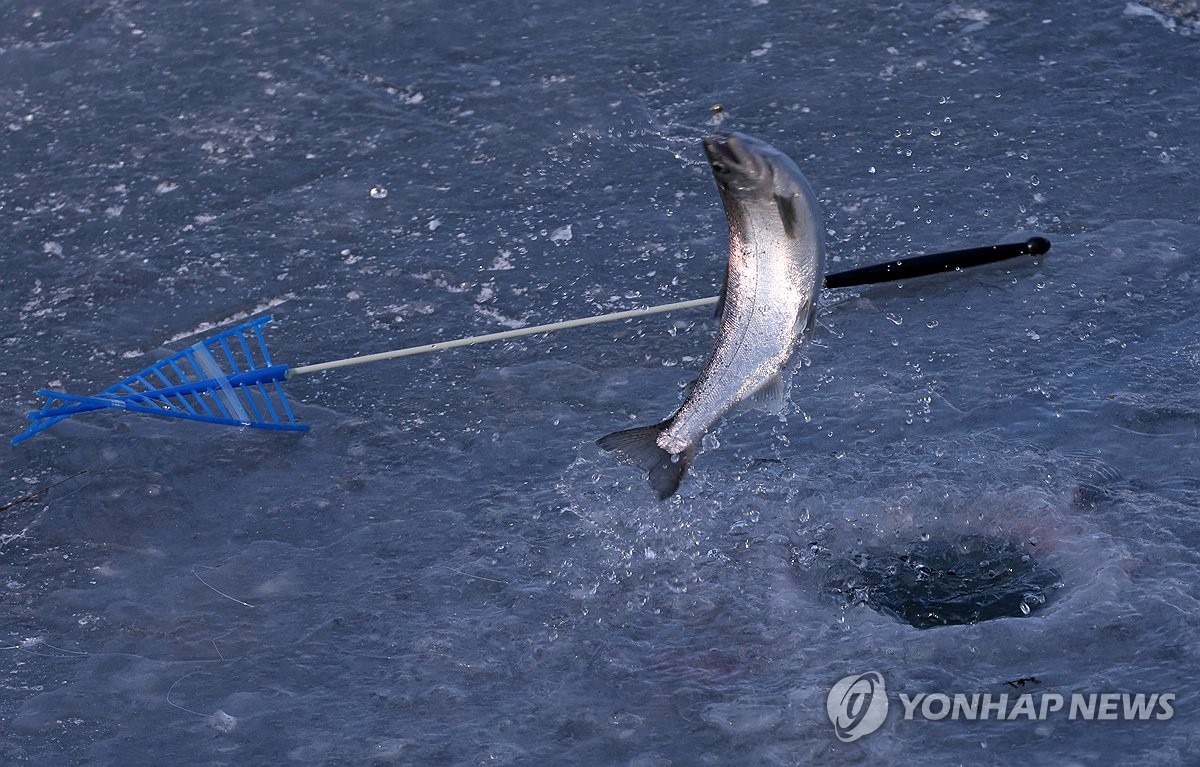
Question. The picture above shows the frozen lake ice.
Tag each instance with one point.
(446, 570)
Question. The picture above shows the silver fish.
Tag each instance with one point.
(776, 267)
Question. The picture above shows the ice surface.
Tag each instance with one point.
(446, 570)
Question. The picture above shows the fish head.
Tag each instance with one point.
(743, 165)
(751, 173)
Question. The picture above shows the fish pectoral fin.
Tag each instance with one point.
(771, 396)
(639, 447)
(787, 214)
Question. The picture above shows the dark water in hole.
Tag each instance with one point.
(947, 582)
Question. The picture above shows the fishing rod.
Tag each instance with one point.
(230, 379)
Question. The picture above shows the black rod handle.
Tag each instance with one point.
(920, 266)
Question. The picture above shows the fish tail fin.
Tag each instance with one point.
(639, 447)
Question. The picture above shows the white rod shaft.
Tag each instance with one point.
(503, 336)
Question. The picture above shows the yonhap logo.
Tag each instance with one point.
(857, 705)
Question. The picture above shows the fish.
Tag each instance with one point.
(774, 275)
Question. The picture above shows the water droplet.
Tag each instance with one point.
(1034, 180)
(931, 324)
(562, 235)
(896, 319)
(378, 192)
(935, 132)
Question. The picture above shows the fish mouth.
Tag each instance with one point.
(722, 150)
(734, 161)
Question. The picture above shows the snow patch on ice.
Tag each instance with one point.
(500, 319)
(205, 327)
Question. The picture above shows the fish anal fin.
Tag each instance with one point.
(807, 320)
(771, 396)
